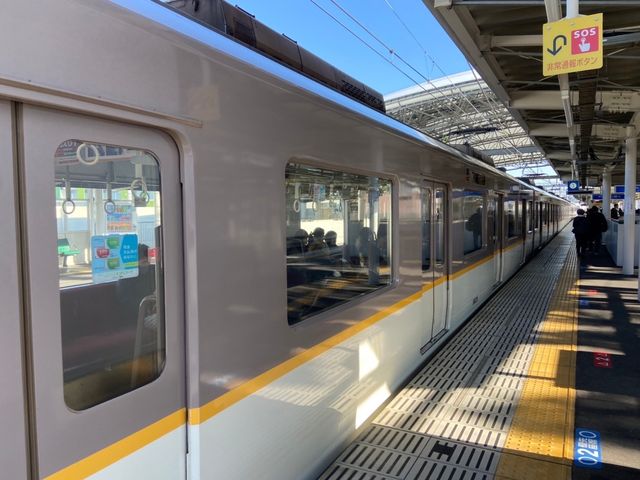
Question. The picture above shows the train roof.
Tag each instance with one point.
(159, 13)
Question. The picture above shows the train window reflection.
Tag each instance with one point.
(439, 225)
(338, 238)
(108, 212)
(426, 230)
(512, 218)
(472, 213)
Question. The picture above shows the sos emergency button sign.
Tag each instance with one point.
(572, 45)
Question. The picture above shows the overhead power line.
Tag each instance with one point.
(368, 45)
(435, 63)
(500, 139)
(508, 143)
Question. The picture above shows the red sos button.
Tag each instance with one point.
(585, 40)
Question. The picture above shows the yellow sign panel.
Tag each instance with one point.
(572, 45)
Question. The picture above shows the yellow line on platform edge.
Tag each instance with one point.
(540, 441)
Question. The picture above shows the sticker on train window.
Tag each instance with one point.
(114, 257)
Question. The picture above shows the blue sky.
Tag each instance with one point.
(431, 53)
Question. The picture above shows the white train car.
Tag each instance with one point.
(246, 264)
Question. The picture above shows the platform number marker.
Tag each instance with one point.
(586, 450)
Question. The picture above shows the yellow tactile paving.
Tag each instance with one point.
(514, 467)
(540, 441)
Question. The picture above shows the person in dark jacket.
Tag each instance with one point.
(597, 225)
(616, 213)
(581, 232)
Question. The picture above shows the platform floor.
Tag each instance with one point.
(499, 400)
(608, 392)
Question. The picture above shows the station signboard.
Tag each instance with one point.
(620, 188)
(614, 196)
(573, 186)
(572, 45)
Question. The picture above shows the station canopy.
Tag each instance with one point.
(461, 110)
(579, 120)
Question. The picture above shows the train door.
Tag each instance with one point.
(13, 435)
(495, 228)
(435, 259)
(103, 296)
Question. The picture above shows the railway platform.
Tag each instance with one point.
(542, 383)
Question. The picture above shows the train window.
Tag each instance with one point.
(540, 215)
(472, 213)
(512, 218)
(108, 212)
(439, 224)
(338, 238)
(426, 229)
(530, 218)
(547, 208)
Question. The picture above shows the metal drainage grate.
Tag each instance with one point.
(389, 463)
(452, 419)
(427, 470)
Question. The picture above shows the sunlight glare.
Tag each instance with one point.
(366, 408)
(368, 360)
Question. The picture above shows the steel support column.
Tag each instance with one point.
(629, 201)
(572, 8)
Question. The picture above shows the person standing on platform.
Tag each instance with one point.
(581, 232)
(614, 212)
(597, 225)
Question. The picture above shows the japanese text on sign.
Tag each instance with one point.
(587, 451)
(572, 45)
(601, 360)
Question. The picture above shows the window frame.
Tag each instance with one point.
(483, 237)
(91, 287)
(516, 218)
(429, 192)
(327, 313)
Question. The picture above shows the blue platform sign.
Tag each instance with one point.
(586, 449)
(620, 189)
(614, 196)
(573, 185)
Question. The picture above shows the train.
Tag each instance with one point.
(216, 266)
